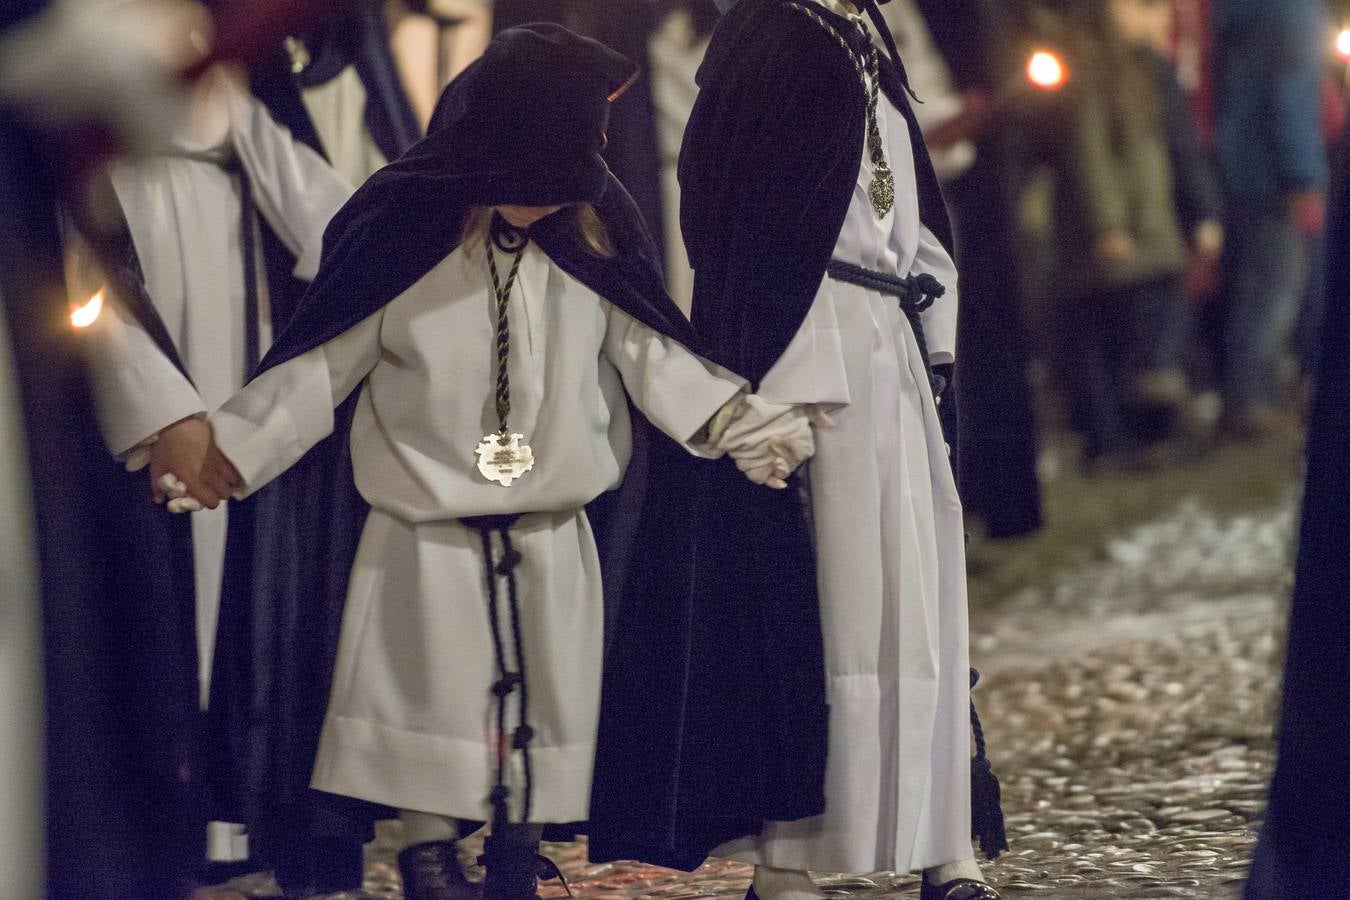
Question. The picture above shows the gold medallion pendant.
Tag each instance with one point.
(503, 463)
(882, 189)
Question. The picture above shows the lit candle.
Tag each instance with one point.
(84, 316)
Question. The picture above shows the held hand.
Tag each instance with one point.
(768, 441)
(186, 452)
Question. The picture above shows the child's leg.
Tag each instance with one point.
(421, 827)
(784, 884)
(429, 862)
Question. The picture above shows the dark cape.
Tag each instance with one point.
(713, 712)
(292, 544)
(1302, 851)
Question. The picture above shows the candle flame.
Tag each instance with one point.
(1046, 70)
(1343, 44)
(84, 316)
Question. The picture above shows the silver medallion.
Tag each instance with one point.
(504, 462)
(882, 190)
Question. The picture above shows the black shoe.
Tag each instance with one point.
(750, 893)
(431, 871)
(513, 866)
(958, 889)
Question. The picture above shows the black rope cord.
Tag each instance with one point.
(508, 681)
(503, 296)
(986, 797)
(916, 294)
(868, 66)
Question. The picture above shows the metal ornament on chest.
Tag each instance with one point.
(502, 456)
(881, 192)
(882, 189)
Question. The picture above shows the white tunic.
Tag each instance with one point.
(891, 558)
(410, 720)
(184, 217)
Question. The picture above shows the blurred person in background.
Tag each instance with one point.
(123, 806)
(955, 51)
(1163, 388)
(677, 47)
(1270, 58)
(219, 231)
(339, 89)
(1122, 200)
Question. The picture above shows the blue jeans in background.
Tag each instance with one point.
(1266, 269)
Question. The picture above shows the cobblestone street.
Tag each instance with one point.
(1131, 661)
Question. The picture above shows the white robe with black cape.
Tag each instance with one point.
(868, 767)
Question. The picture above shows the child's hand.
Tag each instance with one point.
(187, 454)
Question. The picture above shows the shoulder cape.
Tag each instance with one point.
(713, 713)
(770, 159)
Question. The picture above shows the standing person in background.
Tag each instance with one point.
(676, 50)
(1161, 393)
(1120, 245)
(200, 220)
(337, 87)
(996, 456)
(118, 689)
(1274, 171)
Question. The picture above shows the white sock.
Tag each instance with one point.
(420, 827)
(966, 868)
(785, 884)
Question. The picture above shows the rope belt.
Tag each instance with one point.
(916, 293)
(508, 680)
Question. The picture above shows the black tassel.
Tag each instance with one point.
(986, 796)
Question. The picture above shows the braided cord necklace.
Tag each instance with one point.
(502, 458)
(882, 189)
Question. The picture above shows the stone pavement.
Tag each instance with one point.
(1131, 659)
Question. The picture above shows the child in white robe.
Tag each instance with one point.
(477, 576)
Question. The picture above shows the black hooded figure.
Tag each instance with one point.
(496, 280)
(821, 250)
(1302, 851)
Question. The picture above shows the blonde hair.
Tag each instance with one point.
(594, 235)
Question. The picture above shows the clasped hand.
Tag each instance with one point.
(187, 469)
(768, 441)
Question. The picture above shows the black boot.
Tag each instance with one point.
(513, 865)
(510, 863)
(431, 871)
